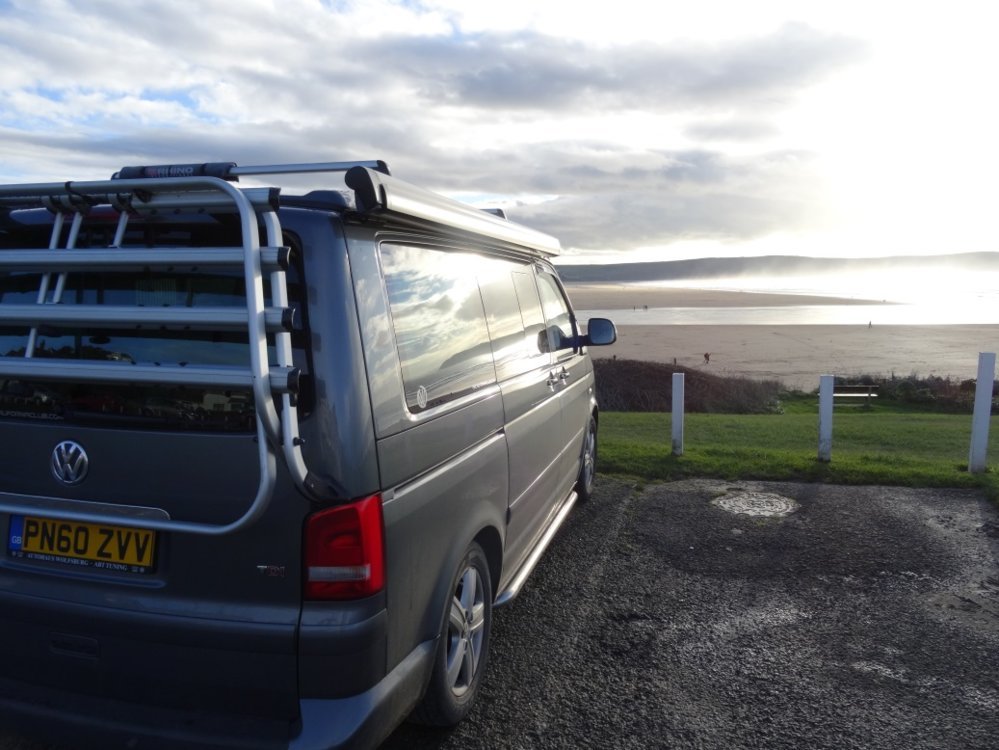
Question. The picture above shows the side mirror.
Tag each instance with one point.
(599, 332)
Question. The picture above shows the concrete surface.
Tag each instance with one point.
(858, 617)
(866, 618)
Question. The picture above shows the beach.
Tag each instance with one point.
(794, 354)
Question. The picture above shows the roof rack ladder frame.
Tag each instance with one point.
(291, 441)
(119, 234)
(269, 429)
(43, 285)
(74, 234)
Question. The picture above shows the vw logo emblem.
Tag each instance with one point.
(69, 462)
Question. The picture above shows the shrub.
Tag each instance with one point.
(634, 385)
(943, 394)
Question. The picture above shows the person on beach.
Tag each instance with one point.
(707, 358)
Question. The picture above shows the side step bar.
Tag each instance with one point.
(514, 587)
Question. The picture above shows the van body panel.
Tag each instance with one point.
(164, 470)
(423, 520)
(431, 442)
(577, 399)
(533, 430)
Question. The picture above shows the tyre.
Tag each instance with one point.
(588, 462)
(463, 649)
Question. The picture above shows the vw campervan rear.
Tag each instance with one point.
(269, 460)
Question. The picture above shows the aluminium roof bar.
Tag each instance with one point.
(132, 195)
(332, 166)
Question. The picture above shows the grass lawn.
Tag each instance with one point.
(883, 444)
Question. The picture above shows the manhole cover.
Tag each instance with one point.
(756, 504)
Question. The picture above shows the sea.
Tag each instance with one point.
(906, 297)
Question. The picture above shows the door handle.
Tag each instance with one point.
(557, 378)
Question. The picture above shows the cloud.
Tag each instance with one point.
(692, 195)
(88, 87)
(731, 130)
(532, 71)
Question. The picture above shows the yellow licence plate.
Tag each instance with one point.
(93, 545)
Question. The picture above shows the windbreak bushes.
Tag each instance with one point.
(633, 385)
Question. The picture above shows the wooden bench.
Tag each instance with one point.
(866, 392)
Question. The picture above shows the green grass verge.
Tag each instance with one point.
(880, 445)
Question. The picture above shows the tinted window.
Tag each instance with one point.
(169, 407)
(560, 328)
(439, 322)
(530, 309)
(513, 325)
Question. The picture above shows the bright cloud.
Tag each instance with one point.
(667, 127)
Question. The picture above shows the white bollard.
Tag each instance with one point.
(825, 416)
(677, 417)
(983, 412)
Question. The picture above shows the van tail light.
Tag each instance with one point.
(345, 551)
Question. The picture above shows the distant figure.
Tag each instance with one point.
(870, 323)
(707, 358)
(674, 361)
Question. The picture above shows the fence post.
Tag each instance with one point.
(825, 416)
(983, 412)
(677, 416)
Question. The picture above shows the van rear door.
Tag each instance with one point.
(96, 603)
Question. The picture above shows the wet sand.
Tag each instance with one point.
(794, 354)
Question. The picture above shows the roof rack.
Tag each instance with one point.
(379, 193)
(205, 187)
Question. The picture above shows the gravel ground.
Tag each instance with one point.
(867, 618)
(863, 618)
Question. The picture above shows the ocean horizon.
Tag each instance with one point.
(907, 297)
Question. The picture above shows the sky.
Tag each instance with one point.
(630, 130)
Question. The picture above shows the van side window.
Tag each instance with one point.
(530, 309)
(561, 331)
(515, 351)
(439, 323)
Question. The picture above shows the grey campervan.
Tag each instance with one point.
(269, 460)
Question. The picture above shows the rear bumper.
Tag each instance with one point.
(91, 676)
(365, 720)
(78, 721)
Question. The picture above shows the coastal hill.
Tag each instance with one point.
(767, 265)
